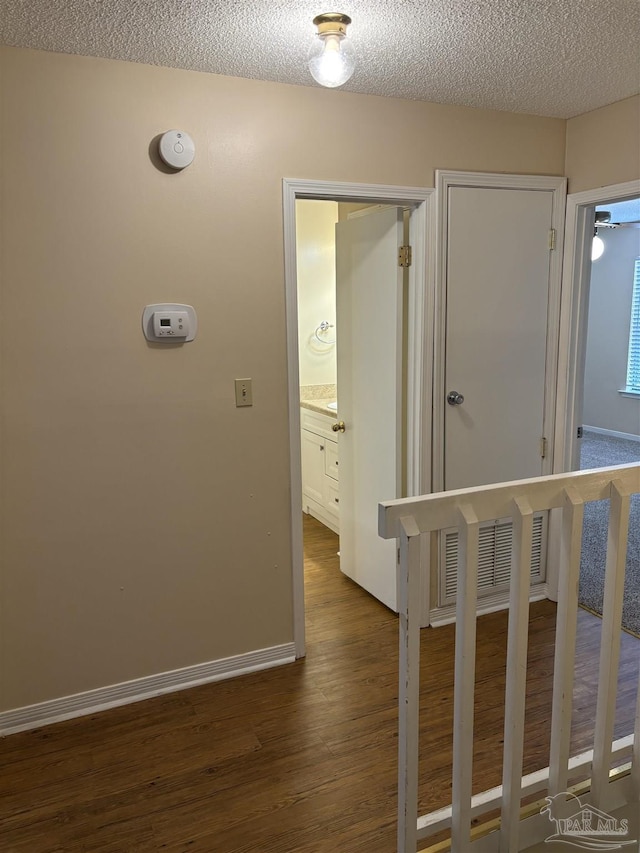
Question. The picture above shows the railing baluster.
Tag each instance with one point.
(565, 651)
(409, 685)
(610, 641)
(465, 671)
(516, 686)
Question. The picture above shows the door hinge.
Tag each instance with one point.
(404, 256)
(552, 239)
(543, 447)
(580, 432)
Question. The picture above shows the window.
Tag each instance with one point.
(633, 363)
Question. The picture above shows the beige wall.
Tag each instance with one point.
(603, 146)
(145, 519)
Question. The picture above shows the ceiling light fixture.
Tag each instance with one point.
(597, 247)
(603, 218)
(331, 56)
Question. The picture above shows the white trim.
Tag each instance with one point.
(343, 191)
(419, 198)
(293, 382)
(127, 692)
(632, 394)
(629, 436)
(446, 178)
(446, 614)
(558, 187)
(421, 321)
(419, 335)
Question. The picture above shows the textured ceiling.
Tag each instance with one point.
(548, 57)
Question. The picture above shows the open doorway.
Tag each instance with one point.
(352, 302)
(574, 315)
(317, 362)
(358, 252)
(603, 392)
(611, 389)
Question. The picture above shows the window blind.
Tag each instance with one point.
(633, 364)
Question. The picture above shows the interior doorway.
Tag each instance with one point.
(610, 405)
(574, 316)
(352, 366)
(599, 423)
(418, 434)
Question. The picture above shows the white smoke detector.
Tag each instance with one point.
(177, 149)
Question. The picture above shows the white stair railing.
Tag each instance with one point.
(467, 509)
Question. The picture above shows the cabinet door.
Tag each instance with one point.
(331, 460)
(332, 504)
(313, 466)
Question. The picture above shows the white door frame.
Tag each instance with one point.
(574, 312)
(420, 347)
(445, 180)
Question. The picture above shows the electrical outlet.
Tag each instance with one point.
(244, 392)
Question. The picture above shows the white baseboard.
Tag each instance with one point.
(630, 436)
(127, 692)
(446, 614)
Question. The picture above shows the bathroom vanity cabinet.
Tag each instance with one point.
(320, 496)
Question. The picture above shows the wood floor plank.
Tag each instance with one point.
(298, 759)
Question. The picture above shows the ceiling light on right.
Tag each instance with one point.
(597, 247)
(331, 56)
(602, 219)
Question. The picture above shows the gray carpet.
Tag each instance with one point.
(598, 451)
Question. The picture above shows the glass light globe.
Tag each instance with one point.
(597, 248)
(331, 59)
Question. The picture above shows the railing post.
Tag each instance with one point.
(565, 650)
(516, 686)
(409, 684)
(610, 641)
(465, 676)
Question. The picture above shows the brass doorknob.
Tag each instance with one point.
(338, 427)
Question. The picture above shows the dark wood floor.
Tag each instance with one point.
(300, 758)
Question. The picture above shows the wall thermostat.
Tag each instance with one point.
(169, 322)
(177, 149)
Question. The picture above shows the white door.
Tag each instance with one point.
(497, 297)
(369, 358)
